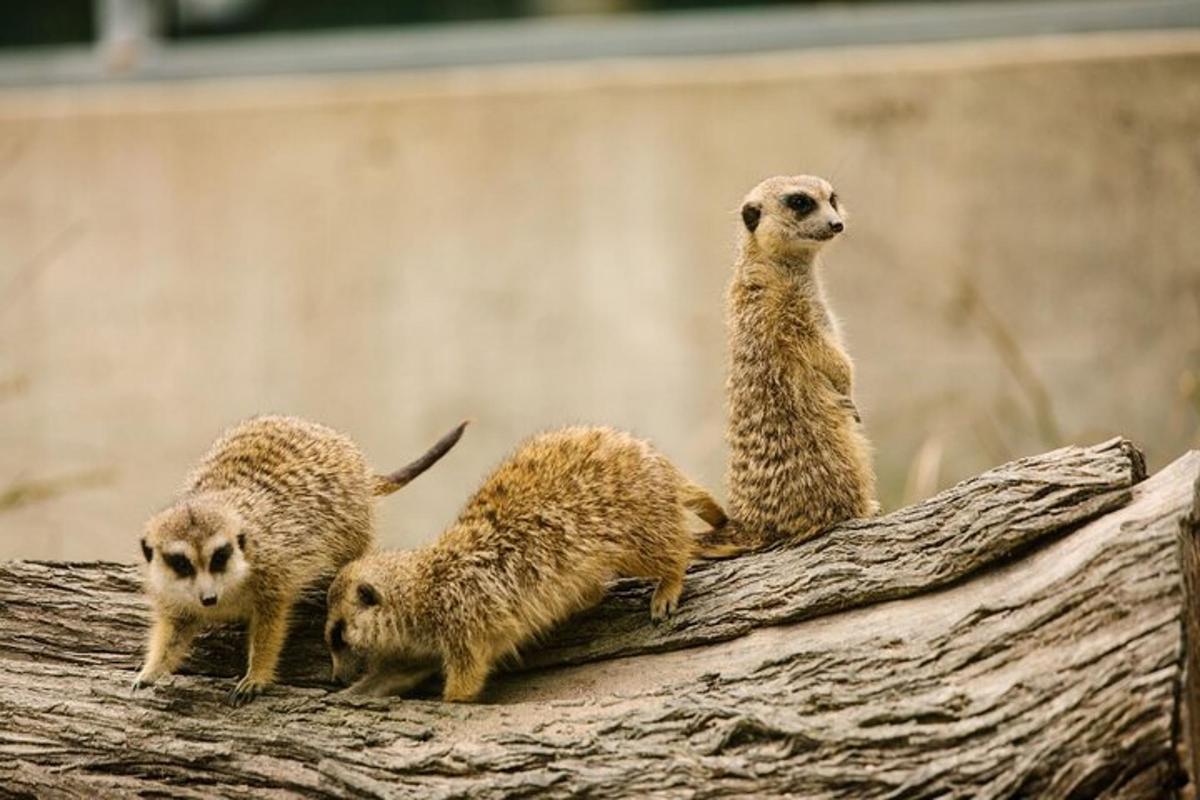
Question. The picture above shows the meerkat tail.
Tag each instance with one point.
(386, 484)
(696, 499)
(716, 544)
(731, 539)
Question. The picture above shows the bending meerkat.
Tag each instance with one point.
(799, 459)
(567, 513)
(277, 503)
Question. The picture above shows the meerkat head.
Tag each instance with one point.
(791, 217)
(367, 620)
(195, 554)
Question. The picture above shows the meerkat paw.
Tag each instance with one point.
(666, 597)
(663, 605)
(465, 680)
(246, 690)
(148, 677)
(145, 679)
(661, 608)
(467, 696)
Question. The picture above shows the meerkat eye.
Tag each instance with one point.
(800, 203)
(220, 558)
(180, 563)
(367, 595)
(337, 636)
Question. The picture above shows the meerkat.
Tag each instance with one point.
(567, 513)
(799, 458)
(277, 504)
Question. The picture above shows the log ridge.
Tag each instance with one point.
(1022, 634)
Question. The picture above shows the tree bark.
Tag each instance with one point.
(1019, 635)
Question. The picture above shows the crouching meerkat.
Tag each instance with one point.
(799, 459)
(277, 504)
(567, 513)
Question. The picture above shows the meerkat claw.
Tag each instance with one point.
(142, 681)
(244, 692)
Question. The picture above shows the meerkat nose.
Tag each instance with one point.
(209, 599)
(837, 226)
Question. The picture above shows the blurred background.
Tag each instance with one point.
(389, 216)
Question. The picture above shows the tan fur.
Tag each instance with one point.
(799, 459)
(291, 502)
(566, 514)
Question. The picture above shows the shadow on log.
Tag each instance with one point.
(1021, 634)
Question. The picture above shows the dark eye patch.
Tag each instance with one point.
(367, 595)
(180, 563)
(220, 558)
(337, 640)
(801, 203)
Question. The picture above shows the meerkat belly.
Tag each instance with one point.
(798, 459)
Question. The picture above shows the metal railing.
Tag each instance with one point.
(130, 48)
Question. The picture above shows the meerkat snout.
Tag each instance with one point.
(837, 226)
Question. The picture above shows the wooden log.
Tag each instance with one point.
(1038, 653)
(94, 613)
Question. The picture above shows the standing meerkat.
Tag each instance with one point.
(275, 505)
(567, 513)
(799, 460)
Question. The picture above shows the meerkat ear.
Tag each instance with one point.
(146, 551)
(367, 595)
(751, 213)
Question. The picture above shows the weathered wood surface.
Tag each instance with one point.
(94, 613)
(1047, 664)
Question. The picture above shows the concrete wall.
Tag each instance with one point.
(534, 246)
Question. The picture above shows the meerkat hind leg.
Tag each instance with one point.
(268, 629)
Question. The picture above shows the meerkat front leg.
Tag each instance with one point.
(848, 404)
(268, 629)
(170, 640)
(466, 673)
(837, 368)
